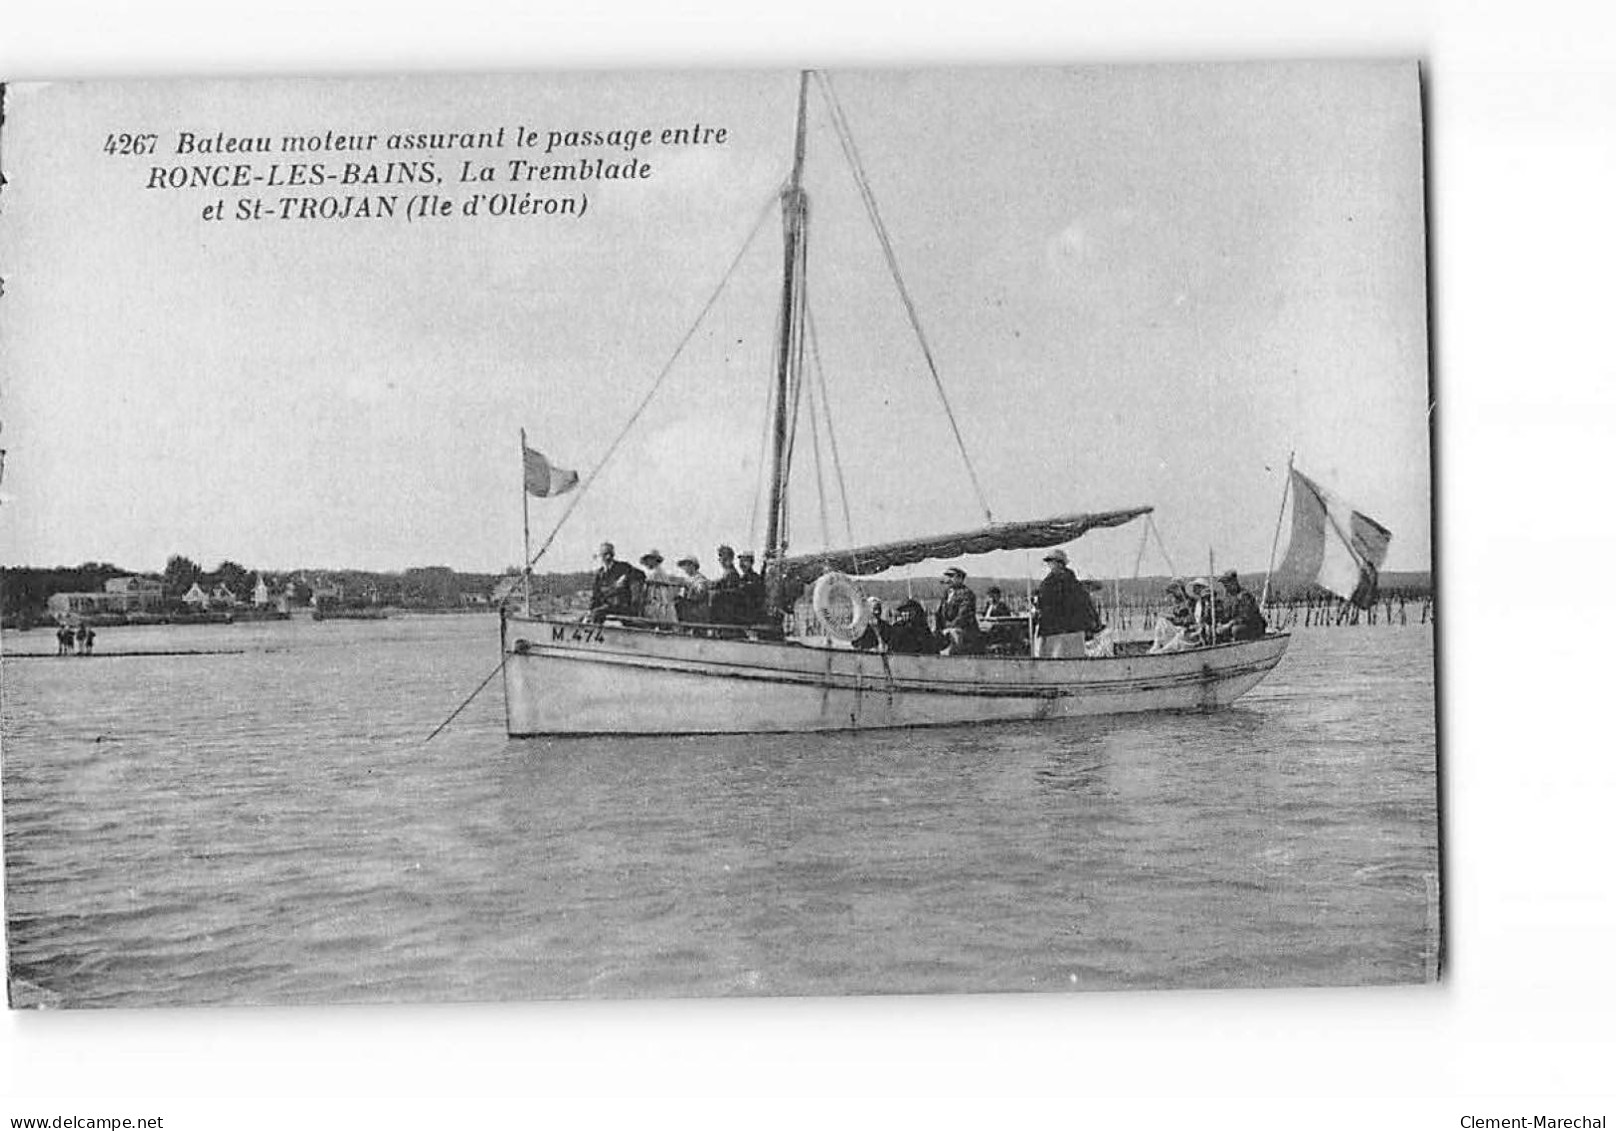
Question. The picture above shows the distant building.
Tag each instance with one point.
(223, 597)
(196, 597)
(119, 595)
(61, 605)
(136, 594)
(261, 593)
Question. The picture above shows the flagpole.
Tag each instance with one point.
(1279, 524)
(527, 538)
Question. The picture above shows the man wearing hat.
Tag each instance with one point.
(1239, 616)
(752, 598)
(618, 587)
(661, 587)
(956, 616)
(1066, 615)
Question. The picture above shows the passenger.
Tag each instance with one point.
(1239, 616)
(80, 637)
(997, 606)
(726, 590)
(909, 634)
(692, 602)
(956, 616)
(89, 640)
(874, 636)
(1180, 608)
(753, 598)
(1200, 629)
(1172, 625)
(661, 590)
(1066, 615)
(618, 587)
(64, 641)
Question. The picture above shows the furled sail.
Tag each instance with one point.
(1332, 545)
(800, 571)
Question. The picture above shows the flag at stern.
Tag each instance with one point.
(542, 477)
(1332, 545)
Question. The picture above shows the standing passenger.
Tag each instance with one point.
(1066, 616)
(956, 616)
(617, 589)
(661, 590)
(752, 597)
(693, 603)
(726, 590)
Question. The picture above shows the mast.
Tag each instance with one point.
(794, 219)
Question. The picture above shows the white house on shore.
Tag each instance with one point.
(118, 595)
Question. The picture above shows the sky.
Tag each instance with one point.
(1141, 284)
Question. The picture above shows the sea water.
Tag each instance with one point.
(268, 823)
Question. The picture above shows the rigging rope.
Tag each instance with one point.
(819, 465)
(761, 489)
(583, 488)
(1151, 521)
(849, 149)
(830, 427)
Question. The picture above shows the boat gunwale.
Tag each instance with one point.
(691, 632)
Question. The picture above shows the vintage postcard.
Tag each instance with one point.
(670, 534)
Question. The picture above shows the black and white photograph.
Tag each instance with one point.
(725, 533)
(994, 566)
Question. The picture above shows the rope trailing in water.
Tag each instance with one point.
(850, 150)
(456, 712)
(583, 489)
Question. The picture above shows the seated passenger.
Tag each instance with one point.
(875, 633)
(1239, 618)
(909, 634)
(1200, 626)
(1172, 626)
(997, 606)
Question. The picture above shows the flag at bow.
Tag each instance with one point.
(1332, 545)
(542, 477)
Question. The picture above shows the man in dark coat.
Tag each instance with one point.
(1064, 606)
(909, 633)
(752, 598)
(617, 588)
(1239, 616)
(956, 616)
(726, 590)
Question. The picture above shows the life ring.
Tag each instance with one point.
(840, 606)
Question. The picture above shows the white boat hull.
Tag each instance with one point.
(562, 677)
